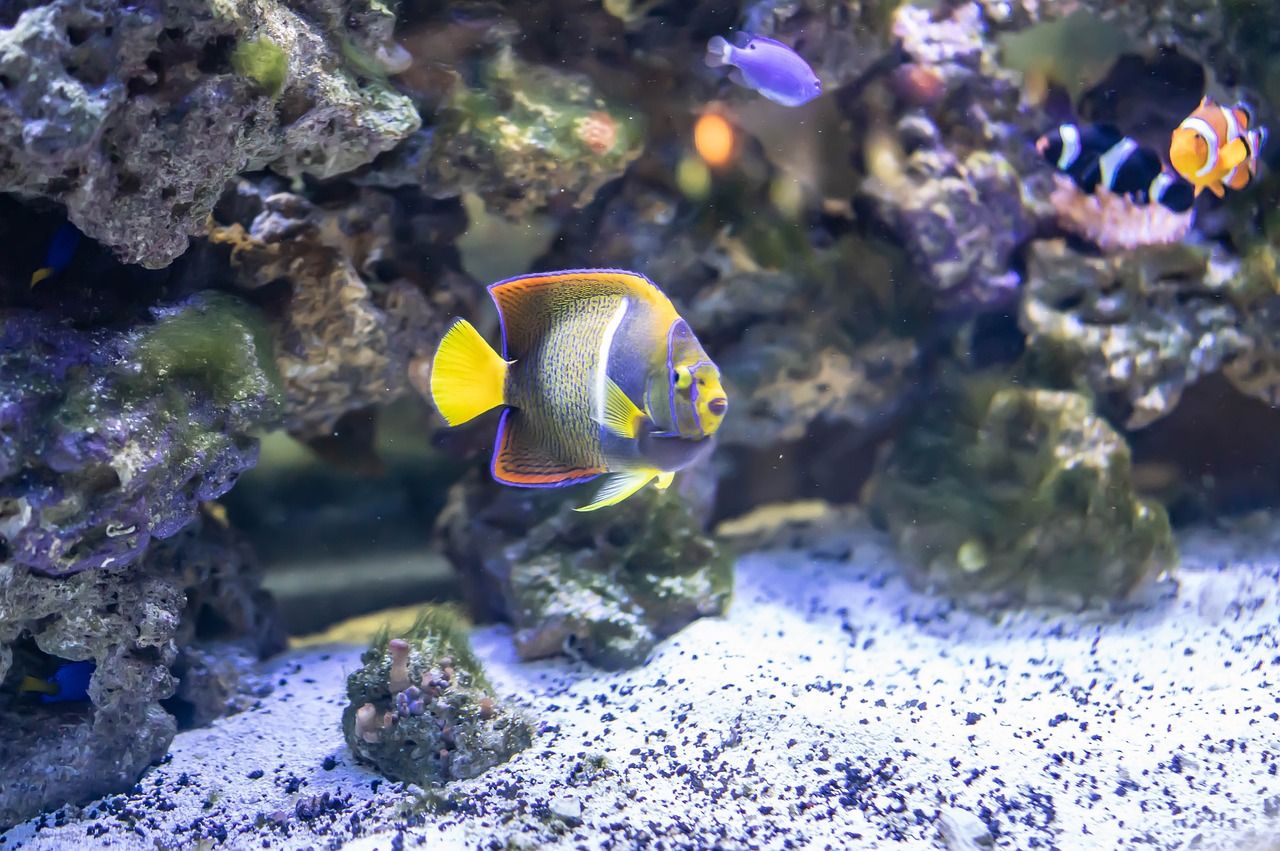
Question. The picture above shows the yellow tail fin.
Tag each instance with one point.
(467, 375)
(31, 684)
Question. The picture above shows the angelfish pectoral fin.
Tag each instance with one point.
(664, 481)
(621, 416)
(619, 486)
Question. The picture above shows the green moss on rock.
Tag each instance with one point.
(1004, 494)
(605, 586)
(220, 344)
(264, 62)
(421, 709)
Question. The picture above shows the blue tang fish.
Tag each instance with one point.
(70, 683)
(62, 247)
(767, 66)
(598, 376)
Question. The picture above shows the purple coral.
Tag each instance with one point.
(108, 439)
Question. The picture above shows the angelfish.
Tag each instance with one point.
(598, 376)
(1217, 147)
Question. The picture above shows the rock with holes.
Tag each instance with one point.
(135, 115)
(604, 586)
(524, 137)
(170, 638)
(112, 439)
(1137, 327)
(353, 325)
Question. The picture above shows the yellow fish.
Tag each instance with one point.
(599, 376)
(1217, 147)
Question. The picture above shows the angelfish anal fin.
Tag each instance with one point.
(619, 486)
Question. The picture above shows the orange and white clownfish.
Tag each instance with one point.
(1217, 147)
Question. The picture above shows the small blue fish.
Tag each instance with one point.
(70, 683)
(62, 247)
(766, 66)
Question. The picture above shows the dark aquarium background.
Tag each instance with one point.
(986, 553)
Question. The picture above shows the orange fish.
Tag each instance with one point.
(1217, 147)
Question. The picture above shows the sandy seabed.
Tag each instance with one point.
(833, 708)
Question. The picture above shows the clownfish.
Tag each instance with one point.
(1217, 146)
(1099, 155)
(598, 376)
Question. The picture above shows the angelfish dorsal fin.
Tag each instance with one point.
(530, 304)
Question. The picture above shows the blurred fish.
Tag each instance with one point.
(1217, 146)
(766, 66)
(69, 683)
(578, 348)
(1099, 155)
(62, 247)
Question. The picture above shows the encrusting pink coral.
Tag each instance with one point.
(1115, 222)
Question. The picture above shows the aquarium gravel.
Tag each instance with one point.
(833, 707)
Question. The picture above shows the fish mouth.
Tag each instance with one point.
(718, 406)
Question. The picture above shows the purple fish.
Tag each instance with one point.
(767, 66)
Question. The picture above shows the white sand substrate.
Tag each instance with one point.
(833, 708)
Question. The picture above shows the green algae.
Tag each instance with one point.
(421, 710)
(1074, 52)
(650, 571)
(438, 631)
(221, 345)
(264, 62)
(1006, 494)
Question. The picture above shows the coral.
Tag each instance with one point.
(1136, 327)
(421, 710)
(110, 439)
(604, 586)
(189, 608)
(528, 135)
(135, 115)
(961, 221)
(949, 179)
(1003, 494)
(354, 327)
(1115, 222)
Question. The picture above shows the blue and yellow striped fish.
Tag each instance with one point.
(599, 376)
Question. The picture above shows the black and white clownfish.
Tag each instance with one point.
(1099, 155)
